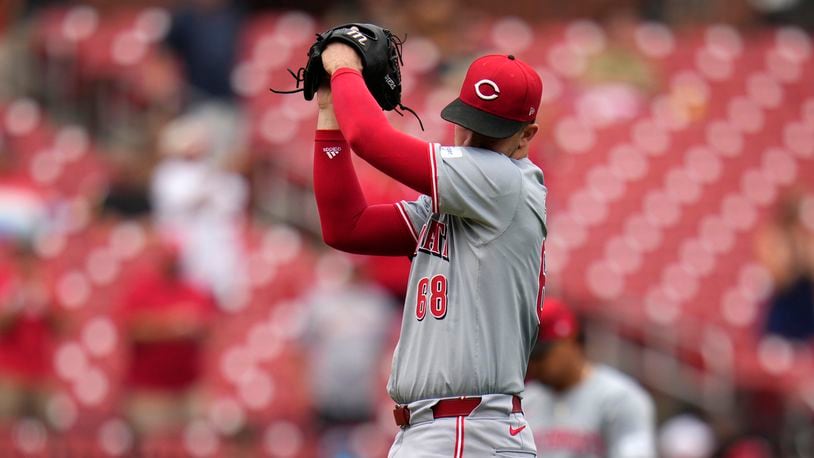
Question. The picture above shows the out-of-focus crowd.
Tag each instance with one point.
(163, 285)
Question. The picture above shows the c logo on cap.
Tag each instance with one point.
(488, 83)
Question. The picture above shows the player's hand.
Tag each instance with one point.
(339, 55)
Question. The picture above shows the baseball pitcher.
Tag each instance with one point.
(475, 237)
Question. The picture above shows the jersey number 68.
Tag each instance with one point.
(433, 293)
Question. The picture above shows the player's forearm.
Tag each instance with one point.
(326, 119)
(371, 136)
(336, 188)
(348, 223)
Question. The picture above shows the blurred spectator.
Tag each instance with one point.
(619, 61)
(447, 23)
(785, 246)
(686, 436)
(203, 207)
(166, 321)
(680, 12)
(29, 323)
(315, 7)
(23, 209)
(618, 79)
(577, 408)
(204, 35)
(127, 195)
(349, 322)
(31, 6)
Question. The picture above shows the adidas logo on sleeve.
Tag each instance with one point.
(332, 151)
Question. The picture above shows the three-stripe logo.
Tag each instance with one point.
(332, 151)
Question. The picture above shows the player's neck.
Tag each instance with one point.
(503, 146)
(500, 149)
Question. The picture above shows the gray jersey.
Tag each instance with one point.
(606, 415)
(477, 278)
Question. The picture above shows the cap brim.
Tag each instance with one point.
(479, 121)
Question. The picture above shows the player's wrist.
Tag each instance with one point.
(345, 71)
(344, 68)
(326, 120)
(329, 135)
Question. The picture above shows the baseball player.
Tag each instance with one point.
(475, 236)
(578, 409)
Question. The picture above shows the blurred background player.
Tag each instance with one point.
(577, 408)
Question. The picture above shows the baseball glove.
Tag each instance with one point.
(380, 51)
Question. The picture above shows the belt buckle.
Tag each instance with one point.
(402, 415)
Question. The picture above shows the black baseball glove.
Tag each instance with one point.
(380, 51)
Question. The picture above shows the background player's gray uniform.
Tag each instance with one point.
(606, 415)
(477, 272)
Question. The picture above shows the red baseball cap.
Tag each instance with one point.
(499, 94)
(557, 322)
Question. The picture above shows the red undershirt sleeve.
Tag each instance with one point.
(400, 156)
(348, 222)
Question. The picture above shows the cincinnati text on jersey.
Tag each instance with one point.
(434, 239)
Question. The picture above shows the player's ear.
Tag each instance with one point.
(524, 137)
(528, 133)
